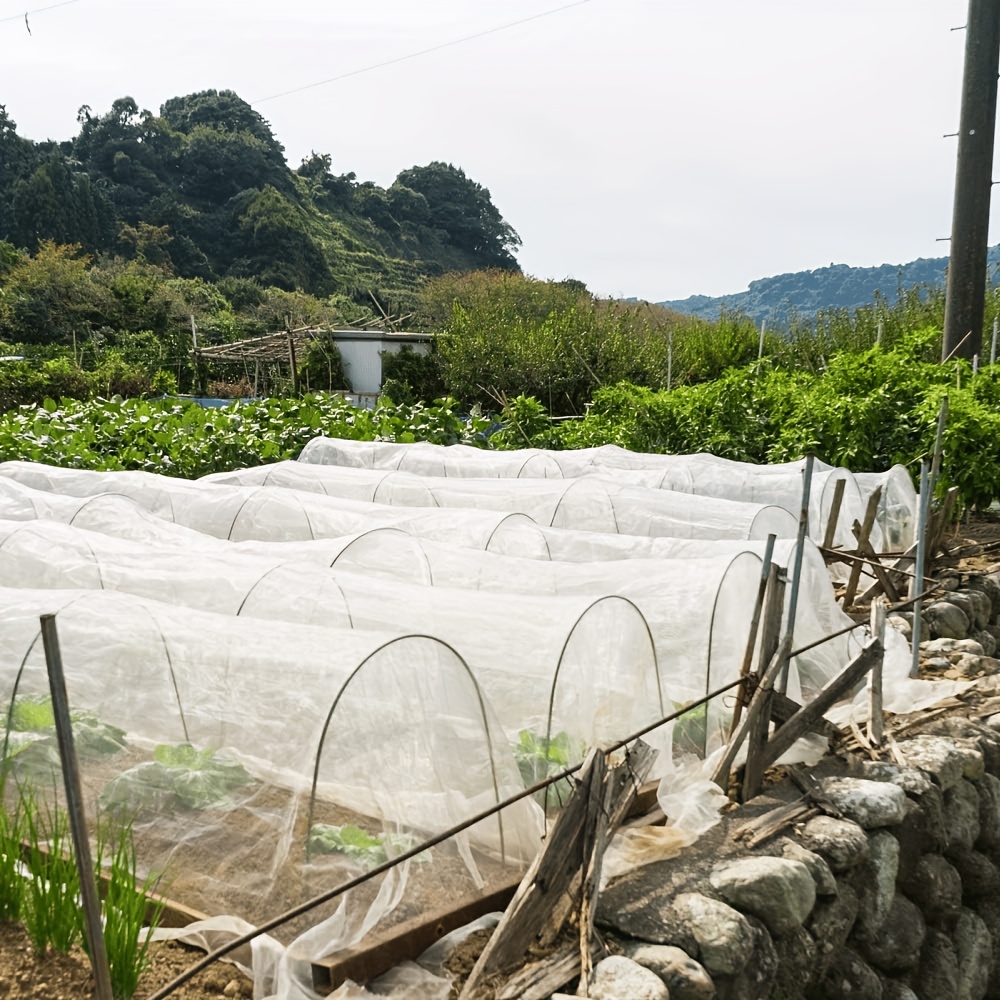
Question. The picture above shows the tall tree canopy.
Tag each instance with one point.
(202, 190)
(463, 209)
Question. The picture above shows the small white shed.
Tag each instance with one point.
(361, 352)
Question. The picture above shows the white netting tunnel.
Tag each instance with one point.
(703, 474)
(207, 731)
(590, 504)
(304, 667)
(680, 623)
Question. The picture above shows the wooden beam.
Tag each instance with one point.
(837, 688)
(866, 529)
(831, 524)
(770, 644)
(405, 941)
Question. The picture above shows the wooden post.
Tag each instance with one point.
(765, 572)
(565, 872)
(770, 644)
(757, 704)
(291, 362)
(939, 443)
(866, 529)
(875, 675)
(74, 806)
(831, 524)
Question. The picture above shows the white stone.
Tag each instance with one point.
(870, 804)
(725, 938)
(779, 891)
(684, 978)
(619, 978)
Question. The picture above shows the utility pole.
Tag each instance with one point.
(965, 296)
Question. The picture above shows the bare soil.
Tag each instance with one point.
(25, 975)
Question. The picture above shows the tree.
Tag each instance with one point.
(58, 203)
(49, 297)
(462, 209)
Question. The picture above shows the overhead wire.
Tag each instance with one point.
(420, 52)
(22, 15)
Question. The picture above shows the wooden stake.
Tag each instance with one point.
(917, 584)
(803, 721)
(565, 873)
(831, 524)
(765, 572)
(770, 644)
(292, 363)
(866, 529)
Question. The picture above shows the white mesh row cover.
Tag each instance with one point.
(266, 694)
(591, 504)
(695, 607)
(700, 473)
(600, 644)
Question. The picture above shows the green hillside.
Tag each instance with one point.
(202, 190)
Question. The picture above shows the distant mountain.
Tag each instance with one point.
(806, 292)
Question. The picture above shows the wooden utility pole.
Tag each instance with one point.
(965, 297)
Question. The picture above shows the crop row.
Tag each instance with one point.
(866, 411)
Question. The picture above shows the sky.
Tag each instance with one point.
(650, 148)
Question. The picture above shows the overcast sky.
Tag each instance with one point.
(656, 148)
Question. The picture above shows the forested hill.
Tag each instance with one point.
(804, 293)
(203, 189)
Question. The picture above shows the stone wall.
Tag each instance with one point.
(896, 897)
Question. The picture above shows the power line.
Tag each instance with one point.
(421, 52)
(37, 10)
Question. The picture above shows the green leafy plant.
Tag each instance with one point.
(539, 758)
(51, 911)
(369, 849)
(30, 740)
(13, 883)
(691, 730)
(131, 912)
(179, 776)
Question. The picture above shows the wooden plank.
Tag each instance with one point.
(770, 643)
(866, 549)
(548, 879)
(539, 980)
(783, 708)
(831, 524)
(800, 724)
(866, 529)
(173, 914)
(405, 941)
(875, 720)
(756, 831)
(555, 882)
